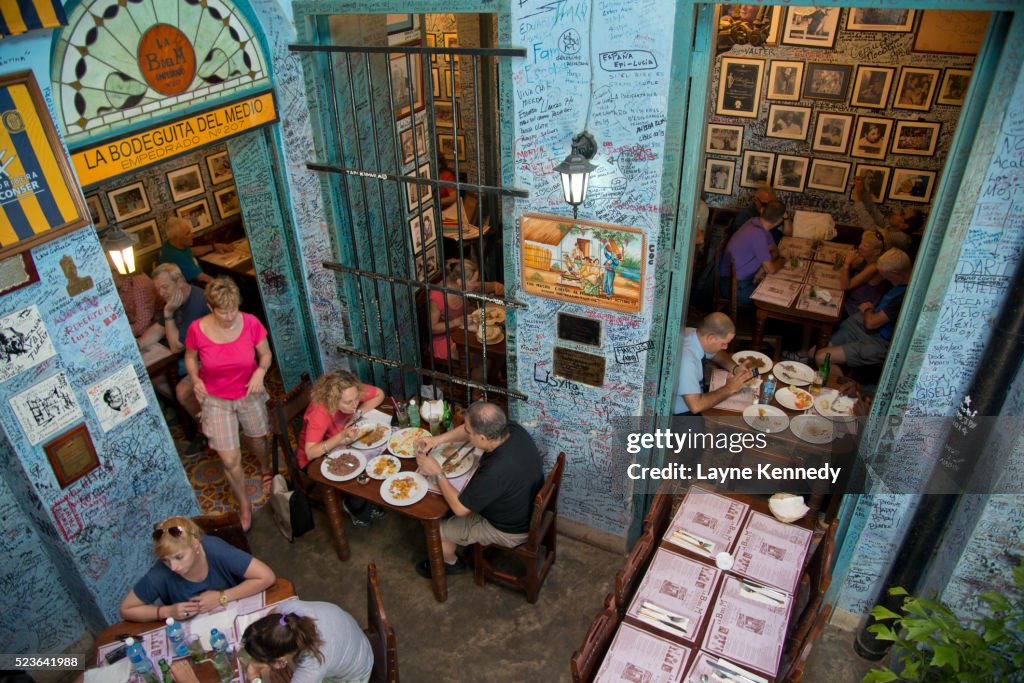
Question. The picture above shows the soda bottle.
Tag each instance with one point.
(176, 637)
(824, 370)
(414, 413)
(222, 660)
(165, 669)
(140, 661)
(768, 389)
(446, 417)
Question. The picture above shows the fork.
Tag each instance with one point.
(665, 614)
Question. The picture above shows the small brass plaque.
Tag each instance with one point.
(578, 366)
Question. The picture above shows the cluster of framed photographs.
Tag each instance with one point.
(444, 74)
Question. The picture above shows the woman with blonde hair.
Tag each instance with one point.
(320, 640)
(859, 275)
(227, 356)
(337, 401)
(194, 574)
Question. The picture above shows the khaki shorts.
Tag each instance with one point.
(221, 418)
(475, 529)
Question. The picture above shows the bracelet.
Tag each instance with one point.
(158, 617)
(323, 448)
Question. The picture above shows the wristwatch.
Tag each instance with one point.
(223, 599)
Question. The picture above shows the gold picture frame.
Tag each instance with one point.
(72, 455)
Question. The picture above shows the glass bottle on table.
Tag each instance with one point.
(825, 369)
(165, 671)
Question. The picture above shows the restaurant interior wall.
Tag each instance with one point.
(94, 533)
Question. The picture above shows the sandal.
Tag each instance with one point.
(266, 479)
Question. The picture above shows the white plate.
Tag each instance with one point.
(787, 396)
(371, 466)
(796, 373)
(376, 444)
(494, 334)
(766, 362)
(812, 428)
(333, 455)
(826, 402)
(403, 441)
(767, 419)
(414, 495)
(465, 461)
(495, 314)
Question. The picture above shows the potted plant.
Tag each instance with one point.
(933, 644)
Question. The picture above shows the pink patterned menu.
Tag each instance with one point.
(771, 552)
(705, 667)
(679, 586)
(747, 630)
(637, 656)
(707, 516)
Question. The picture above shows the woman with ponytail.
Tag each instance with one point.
(320, 640)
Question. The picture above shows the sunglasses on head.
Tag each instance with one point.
(174, 531)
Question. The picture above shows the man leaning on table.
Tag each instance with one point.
(496, 505)
(709, 340)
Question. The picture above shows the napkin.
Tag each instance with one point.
(222, 620)
(823, 296)
(377, 417)
(118, 672)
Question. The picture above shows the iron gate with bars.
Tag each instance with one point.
(381, 168)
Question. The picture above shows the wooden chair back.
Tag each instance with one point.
(542, 538)
(659, 514)
(725, 300)
(636, 566)
(286, 416)
(795, 671)
(813, 585)
(586, 660)
(226, 527)
(379, 632)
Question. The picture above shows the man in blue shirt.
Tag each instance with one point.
(178, 250)
(709, 340)
(863, 339)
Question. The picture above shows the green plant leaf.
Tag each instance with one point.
(879, 676)
(946, 655)
(880, 612)
(882, 631)
(898, 590)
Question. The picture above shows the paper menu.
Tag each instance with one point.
(223, 620)
(741, 399)
(705, 666)
(678, 585)
(793, 271)
(825, 301)
(830, 251)
(776, 291)
(794, 246)
(824, 275)
(747, 631)
(118, 672)
(771, 552)
(154, 642)
(710, 517)
(243, 620)
(636, 655)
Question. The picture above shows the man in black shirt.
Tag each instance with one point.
(496, 505)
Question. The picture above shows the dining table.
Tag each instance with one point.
(236, 260)
(718, 595)
(495, 350)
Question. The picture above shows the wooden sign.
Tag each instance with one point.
(166, 59)
(578, 366)
(578, 329)
(72, 455)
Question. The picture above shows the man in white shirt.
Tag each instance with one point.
(708, 340)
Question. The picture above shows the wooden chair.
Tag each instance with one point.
(725, 300)
(636, 566)
(586, 660)
(537, 554)
(286, 424)
(812, 588)
(379, 632)
(226, 527)
(794, 668)
(659, 514)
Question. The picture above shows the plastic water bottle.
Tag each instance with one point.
(414, 413)
(140, 661)
(768, 389)
(222, 660)
(176, 637)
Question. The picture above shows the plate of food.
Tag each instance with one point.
(495, 314)
(343, 464)
(494, 334)
(403, 442)
(755, 360)
(383, 466)
(373, 435)
(831, 405)
(792, 372)
(794, 398)
(403, 488)
(812, 428)
(459, 458)
(767, 419)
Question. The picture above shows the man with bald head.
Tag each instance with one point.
(709, 341)
(496, 505)
(177, 249)
(758, 200)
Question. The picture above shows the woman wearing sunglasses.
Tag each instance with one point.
(317, 639)
(195, 574)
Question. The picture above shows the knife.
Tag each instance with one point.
(655, 617)
(728, 674)
(678, 619)
(706, 546)
(459, 453)
(764, 591)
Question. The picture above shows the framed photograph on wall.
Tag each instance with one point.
(915, 88)
(406, 74)
(425, 192)
(723, 139)
(953, 32)
(757, 169)
(185, 182)
(811, 26)
(197, 213)
(912, 185)
(219, 166)
(96, 212)
(871, 137)
(129, 201)
(72, 455)
(785, 80)
(915, 137)
(832, 133)
(758, 23)
(790, 123)
(953, 90)
(408, 150)
(827, 81)
(426, 264)
(446, 145)
(828, 175)
(790, 173)
(876, 179)
(148, 234)
(739, 87)
(871, 86)
(870, 19)
(718, 175)
(421, 227)
(227, 201)
(444, 115)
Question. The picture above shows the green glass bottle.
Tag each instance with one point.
(824, 369)
(446, 417)
(165, 670)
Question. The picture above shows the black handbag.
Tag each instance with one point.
(292, 511)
